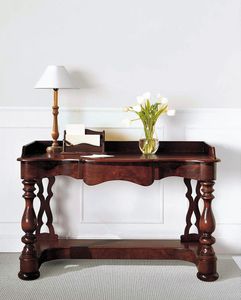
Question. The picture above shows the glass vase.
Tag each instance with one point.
(149, 142)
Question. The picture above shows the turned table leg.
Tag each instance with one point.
(28, 260)
(207, 259)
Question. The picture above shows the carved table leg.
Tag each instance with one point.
(28, 259)
(45, 207)
(193, 209)
(207, 259)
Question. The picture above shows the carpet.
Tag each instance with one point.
(118, 280)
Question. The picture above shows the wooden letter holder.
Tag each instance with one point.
(84, 147)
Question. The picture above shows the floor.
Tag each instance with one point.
(119, 280)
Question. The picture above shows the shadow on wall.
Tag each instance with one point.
(179, 102)
(67, 201)
(230, 161)
(88, 89)
(84, 80)
(227, 187)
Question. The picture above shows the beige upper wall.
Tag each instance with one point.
(188, 50)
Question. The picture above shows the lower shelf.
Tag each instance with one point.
(51, 249)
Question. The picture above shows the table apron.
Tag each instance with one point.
(139, 173)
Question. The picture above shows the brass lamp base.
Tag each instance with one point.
(54, 149)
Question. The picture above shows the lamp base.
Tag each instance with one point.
(54, 149)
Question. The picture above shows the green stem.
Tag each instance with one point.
(150, 141)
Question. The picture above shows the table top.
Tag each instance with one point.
(126, 152)
(193, 160)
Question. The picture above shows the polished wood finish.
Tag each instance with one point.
(55, 130)
(28, 259)
(45, 206)
(193, 209)
(190, 160)
(49, 249)
(207, 259)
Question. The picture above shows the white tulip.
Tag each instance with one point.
(161, 99)
(141, 100)
(126, 122)
(137, 108)
(164, 100)
(171, 112)
(147, 96)
(160, 106)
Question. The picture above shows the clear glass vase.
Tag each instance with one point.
(149, 142)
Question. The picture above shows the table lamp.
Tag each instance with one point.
(55, 77)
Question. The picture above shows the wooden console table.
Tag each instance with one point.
(189, 160)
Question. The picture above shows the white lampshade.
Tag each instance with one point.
(55, 77)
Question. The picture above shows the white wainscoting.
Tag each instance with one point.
(120, 209)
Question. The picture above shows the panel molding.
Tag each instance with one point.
(161, 210)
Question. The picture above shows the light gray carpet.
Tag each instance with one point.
(118, 280)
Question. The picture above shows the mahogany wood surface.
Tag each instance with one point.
(49, 249)
(190, 160)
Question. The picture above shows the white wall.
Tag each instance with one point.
(157, 211)
(188, 50)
